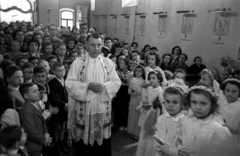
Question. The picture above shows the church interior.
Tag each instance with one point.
(171, 59)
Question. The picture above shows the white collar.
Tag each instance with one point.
(176, 117)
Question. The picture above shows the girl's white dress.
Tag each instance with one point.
(167, 129)
(230, 113)
(151, 94)
(133, 114)
(193, 134)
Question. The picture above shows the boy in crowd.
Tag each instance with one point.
(27, 70)
(59, 98)
(34, 60)
(14, 77)
(32, 120)
(45, 65)
(52, 60)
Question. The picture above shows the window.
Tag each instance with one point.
(67, 19)
(93, 5)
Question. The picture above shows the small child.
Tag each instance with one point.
(71, 44)
(40, 76)
(14, 77)
(45, 64)
(135, 90)
(47, 50)
(123, 98)
(167, 123)
(21, 61)
(59, 98)
(32, 120)
(208, 80)
(197, 129)
(61, 53)
(27, 70)
(12, 141)
(79, 48)
(72, 56)
(155, 78)
(33, 60)
(229, 102)
(52, 59)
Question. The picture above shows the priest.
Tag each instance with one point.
(91, 83)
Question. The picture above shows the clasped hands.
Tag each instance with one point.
(48, 139)
(95, 87)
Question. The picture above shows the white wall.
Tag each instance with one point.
(201, 40)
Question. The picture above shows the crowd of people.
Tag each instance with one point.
(171, 108)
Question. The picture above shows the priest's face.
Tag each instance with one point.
(94, 46)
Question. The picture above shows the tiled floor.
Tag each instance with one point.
(119, 143)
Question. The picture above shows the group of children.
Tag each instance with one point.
(154, 105)
(171, 118)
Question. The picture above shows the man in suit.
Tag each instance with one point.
(32, 120)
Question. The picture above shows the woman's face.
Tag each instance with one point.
(176, 51)
(20, 36)
(166, 59)
(198, 61)
(122, 57)
(125, 52)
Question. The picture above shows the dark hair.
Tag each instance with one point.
(51, 57)
(39, 70)
(156, 72)
(95, 36)
(46, 44)
(145, 47)
(134, 51)
(71, 39)
(168, 54)
(107, 38)
(143, 71)
(195, 58)
(154, 48)
(70, 54)
(223, 85)
(14, 34)
(126, 61)
(5, 64)
(33, 41)
(134, 43)
(2, 35)
(10, 71)
(18, 60)
(186, 57)
(116, 45)
(23, 89)
(45, 36)
(27, 65)
(33, 58)
(5, 29)
(112, 56)
(36, 34)
(214, 104)
(180, 50)
(10, 135)
(157, 57)
(57, 64)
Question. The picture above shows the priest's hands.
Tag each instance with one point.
(95, 87)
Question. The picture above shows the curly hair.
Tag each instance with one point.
(180, 50)
(159, 75)
(157, 56)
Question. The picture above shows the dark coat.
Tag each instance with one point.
(58, 98)
(34, 125)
